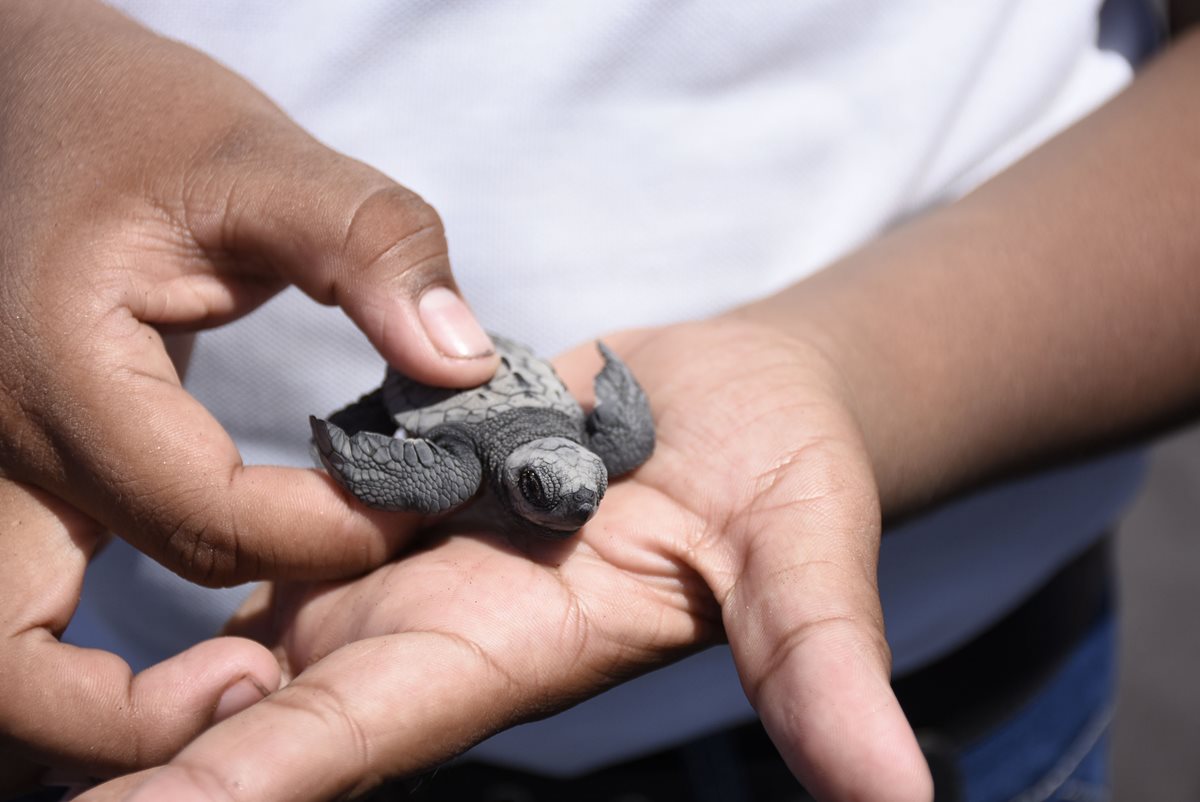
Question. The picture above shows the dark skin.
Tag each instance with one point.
(948, 351)
(149, 192)
(718, 536)
(862, 391)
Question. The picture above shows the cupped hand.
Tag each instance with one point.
(72, 713)
(146, 190)
(756, 520)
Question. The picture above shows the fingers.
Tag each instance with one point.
(85, 711)
(416, 662)
(378, 707)
(82, 709)
(217, 199)
(346, 235)
(160, 470)
(119, 438)
(176, 195)
(345, 718)
(804, 622)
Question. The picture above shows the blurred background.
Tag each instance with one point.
(1156, 740)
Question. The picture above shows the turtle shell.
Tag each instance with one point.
(522, 380)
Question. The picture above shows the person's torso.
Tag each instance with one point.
(606, 165)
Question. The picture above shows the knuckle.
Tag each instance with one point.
(844, 633)
(244, 138)
(332, 716)
(393, 231)
(203, 547)
(253, 134)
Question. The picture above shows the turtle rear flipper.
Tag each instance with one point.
(413, 475)
(367, 414)
(620, 429)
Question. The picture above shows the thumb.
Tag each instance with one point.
(347, 235)
(804, 621)
(83, 710)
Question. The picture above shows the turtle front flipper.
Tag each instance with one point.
(620, 429)
(414, 474)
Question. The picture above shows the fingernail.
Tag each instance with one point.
(451, 326)
(238, 697)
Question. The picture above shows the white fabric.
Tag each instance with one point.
(604, 165)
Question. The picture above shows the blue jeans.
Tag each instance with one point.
(1056, 746)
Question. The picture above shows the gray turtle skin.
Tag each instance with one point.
(518, 445)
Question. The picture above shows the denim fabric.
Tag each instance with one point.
(1056, 746)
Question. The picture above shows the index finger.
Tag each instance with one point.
(159, 470)
(85, 710)
(446, 648)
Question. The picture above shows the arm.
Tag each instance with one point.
(1057, 307)
(1007, 327)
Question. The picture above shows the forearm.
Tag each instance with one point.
(1056, 307)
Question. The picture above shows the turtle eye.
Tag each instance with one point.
(534, 491)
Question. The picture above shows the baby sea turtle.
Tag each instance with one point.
(520, 442)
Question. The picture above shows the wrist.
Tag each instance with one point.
(878, 364)
(828, 364)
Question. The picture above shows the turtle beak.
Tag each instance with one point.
(584, 505)
(583, 514)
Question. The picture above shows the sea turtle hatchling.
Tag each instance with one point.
(520, 443)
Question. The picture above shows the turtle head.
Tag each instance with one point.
(555, 483)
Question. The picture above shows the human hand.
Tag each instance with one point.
(72, 712)
(756, 520)
(149, 190)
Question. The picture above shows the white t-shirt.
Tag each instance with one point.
(615, 164)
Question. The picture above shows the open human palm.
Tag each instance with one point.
(755, 521)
